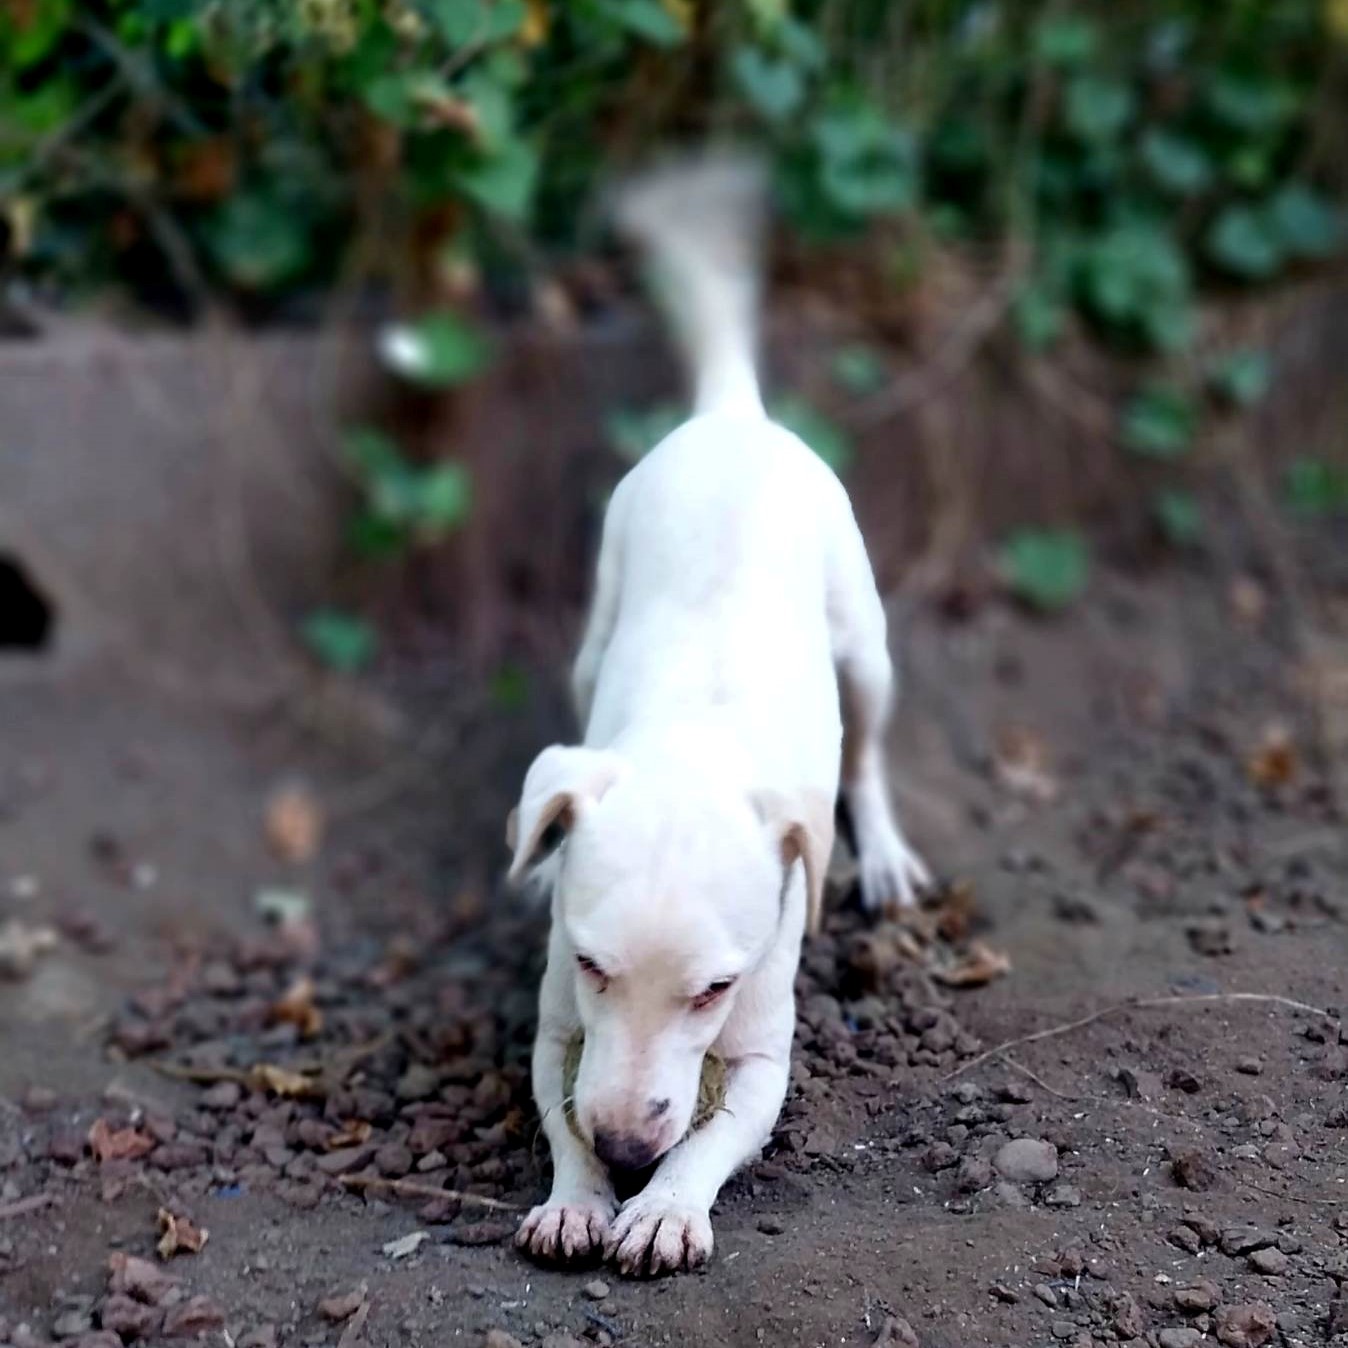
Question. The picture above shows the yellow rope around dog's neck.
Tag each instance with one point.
(710, 1091)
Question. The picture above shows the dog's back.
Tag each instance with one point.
(722, 532)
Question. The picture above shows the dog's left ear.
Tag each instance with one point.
(803, 827)
(559, 785)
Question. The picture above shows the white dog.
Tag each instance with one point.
(686, 840)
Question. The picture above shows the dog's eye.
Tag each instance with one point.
(712, 993)
(591, 970)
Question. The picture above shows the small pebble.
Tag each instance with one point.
(1271, 1262)
(596, 1289)
(1027, 1160)
(1182, 1337)
(1063, 1196)
(1198, 1297)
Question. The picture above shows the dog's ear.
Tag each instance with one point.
(562, 781)
(802, 827)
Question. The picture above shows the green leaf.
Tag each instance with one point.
(859, 369)
(1065, 42)
(1250, 166)
(1241, 378)
(1135, 280)
(1168, 327)
(868, 164)
(1160, 422)
(647, 19)
(1250, 104)
(439, 351)
(632, 435)
(373, 538)
(477, 22)
(1175, 163)
(444, 498)
(826, 438)
(1038, 316)
(860, 188)
(394, 497)
(510, 688)
(1242, 243)
(1179, 517)
(1097, 110)
(503, 183)
(1046, 568)
(801, 44)
(773, 88)
(1317, 488)
(340, 640)
(402, 99)
(31, 38)
(493, 104)
(371, 453)
(258, 242)
(1304, 223)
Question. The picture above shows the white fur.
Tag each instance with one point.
(734, 604)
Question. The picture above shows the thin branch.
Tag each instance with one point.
(412, 1189)
(20, 1207)
(1138, 1004)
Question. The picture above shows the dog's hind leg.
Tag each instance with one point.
(890, 869)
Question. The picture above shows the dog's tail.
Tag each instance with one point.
(700, 225)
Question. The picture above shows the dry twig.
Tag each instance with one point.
(412, 1189)
(1138, 1004)
(21, 1207)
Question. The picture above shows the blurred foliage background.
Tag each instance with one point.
(440, 159)
(262, 151)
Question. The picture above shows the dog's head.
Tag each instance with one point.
(670, 892)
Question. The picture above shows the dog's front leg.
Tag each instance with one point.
(667, 1226)
(574, 1222)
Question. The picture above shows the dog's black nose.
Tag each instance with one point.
(621, 1151)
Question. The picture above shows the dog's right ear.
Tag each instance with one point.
(562, 782)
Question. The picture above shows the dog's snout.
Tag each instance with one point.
(659, 1108)
(622, 1151)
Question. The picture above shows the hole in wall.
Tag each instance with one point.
(27, 616)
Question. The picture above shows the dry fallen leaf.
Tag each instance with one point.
(342, 1306)
(178, 1235)
(1022, 764)
(297, 1008)
(353, 1133)
(294, 824)
(405, 1245)
(954, 912)
(354, 1328)
(1248, 600)
(267, 1076)
(21, 944)
(980, 965)
(129, 1275)
(1274, 761)
(118, 1144)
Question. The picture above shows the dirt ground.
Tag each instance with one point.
(1124, 802)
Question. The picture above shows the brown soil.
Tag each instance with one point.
(1130, 800)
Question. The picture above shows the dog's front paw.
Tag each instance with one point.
(652, 1236)
(891, 875)
(565, 1232)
